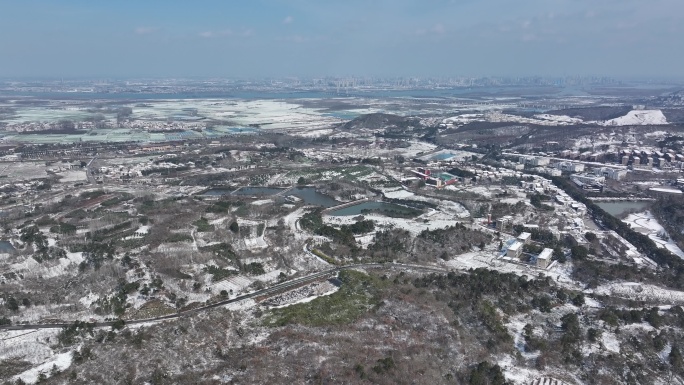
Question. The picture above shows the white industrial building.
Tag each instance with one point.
(569, 166)
(534, 160)
(611, 173)
(514, 250)
(590, 179)
(544, 258)
(524, 238)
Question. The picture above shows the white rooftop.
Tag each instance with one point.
(545, 254)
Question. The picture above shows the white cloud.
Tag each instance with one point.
(211, 34)
(438, 29)
(300, 39)
(529, 37)
(145, 30)
(288, 20)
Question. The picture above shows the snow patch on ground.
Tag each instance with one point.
(515, 374)
(646, 223)
(641, 292)
(48, 269)
(241, 305)
(72, 176)
(666, 190)
(638, 118)
(398, 194)
(561, 119)
(560, 273)
(610, 342)
(413, 226)
(89, 299)
(60, 361)
(29, 345)
(592, 303)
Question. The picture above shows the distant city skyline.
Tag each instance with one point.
(307, 38)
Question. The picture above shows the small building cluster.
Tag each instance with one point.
(514, 249)
(437, 179)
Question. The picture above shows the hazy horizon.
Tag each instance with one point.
(305, 38)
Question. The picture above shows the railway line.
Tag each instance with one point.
(259, 293)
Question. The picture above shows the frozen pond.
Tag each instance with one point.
(245, 191)
(251, 191)
(618, 208)
(382, 207)
(6, 247)
(312, 197)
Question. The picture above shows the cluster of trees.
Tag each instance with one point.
(222, 251)
(43, 252)
(389, 245)
(499, 209)
(443, 236)
(116, 303)
(394, 211)
(218, 273)
(225, 252)
(461, 173)
(95, 253)
(12, 303)
(419, 205)
(313, 221)
(99, 235)
(485, 373)
(33, 235)
(221, 207)
(613, 316)
(572, 337)
(360, 227)
(92, 194)
(482, 298)
(63, 228)
(537, 200)
(203, 225)
(164, 170)
(450, 241)
(474, 298)
(68, 334)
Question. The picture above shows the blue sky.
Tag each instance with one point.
(275, 38)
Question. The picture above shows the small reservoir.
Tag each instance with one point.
(620, 208)
(312, 197)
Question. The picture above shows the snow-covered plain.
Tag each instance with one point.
(646, 223)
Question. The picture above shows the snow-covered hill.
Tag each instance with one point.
(638, 118)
